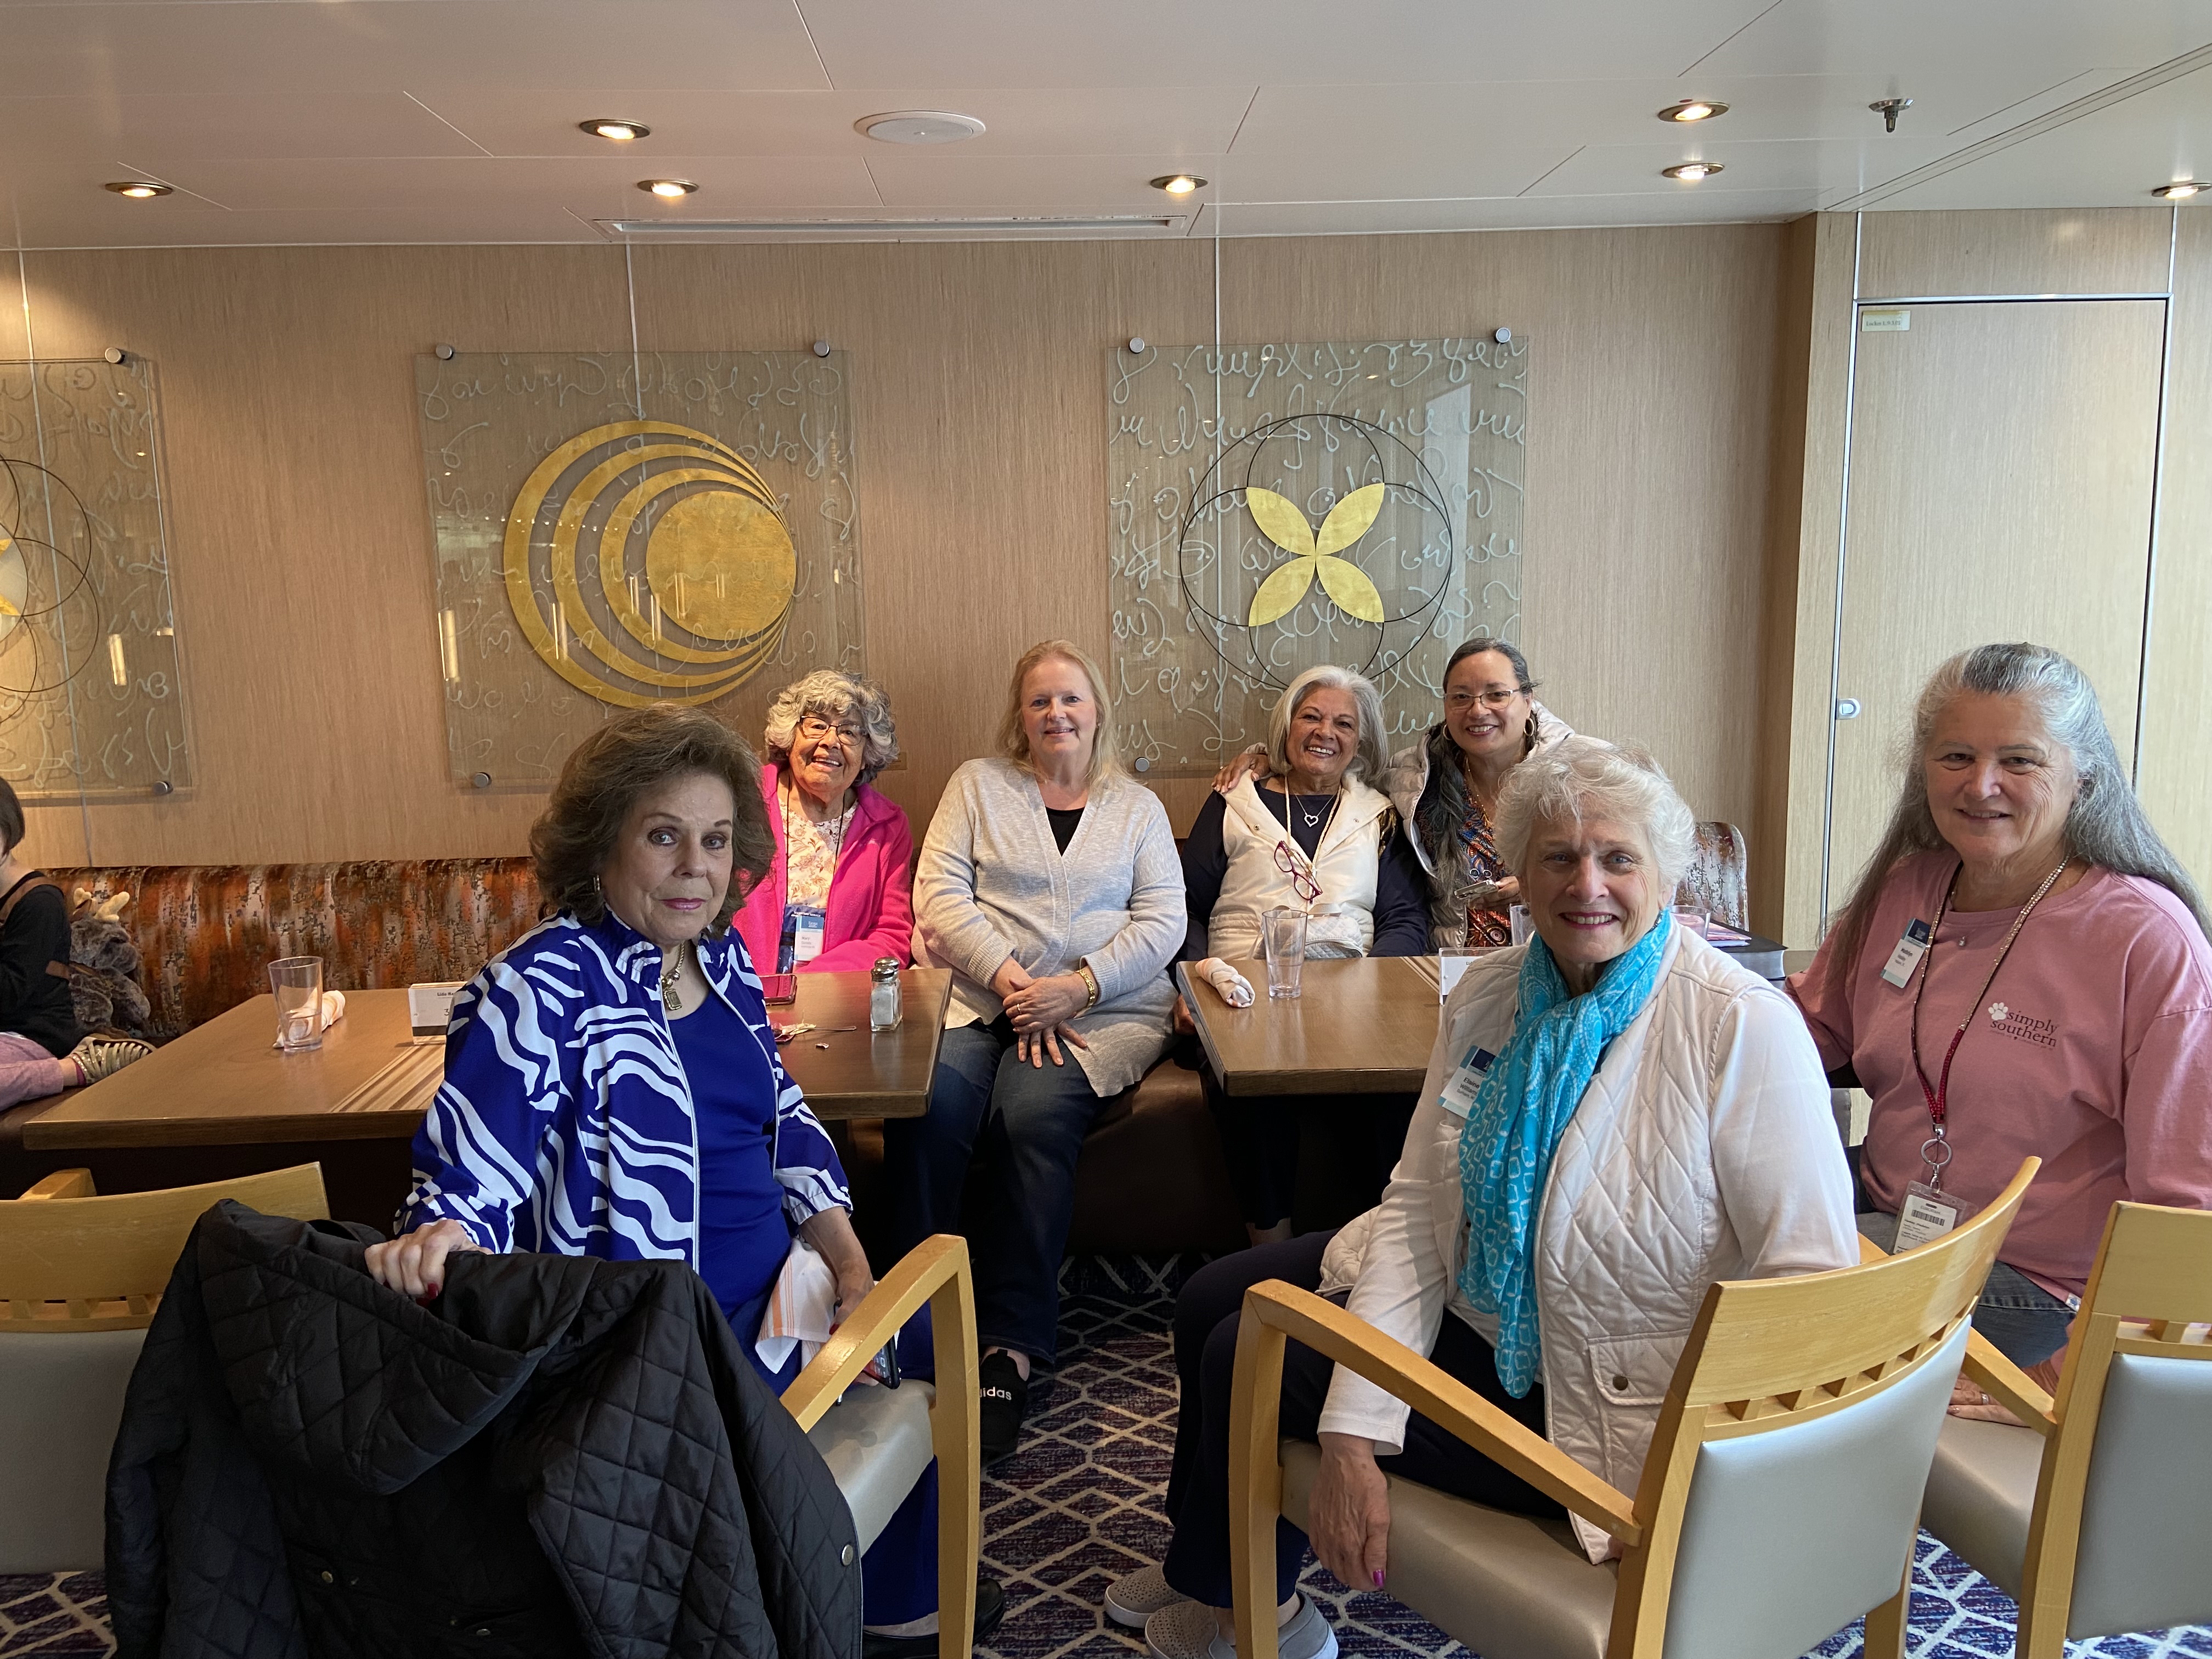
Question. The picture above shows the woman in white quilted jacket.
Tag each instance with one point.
(1615, 1116)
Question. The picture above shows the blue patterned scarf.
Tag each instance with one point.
(1519, 1114)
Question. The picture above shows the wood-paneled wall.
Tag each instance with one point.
(300, 538)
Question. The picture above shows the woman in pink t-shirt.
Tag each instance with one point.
(2022, 970)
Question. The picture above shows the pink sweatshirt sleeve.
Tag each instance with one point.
(2169, 1132)
(1827, 1014)
(891, 933)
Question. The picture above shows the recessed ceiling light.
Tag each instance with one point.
(139, 190)
(673, 189)
(1690, 171)
(620, 131)
(1178, 183)
(1692, 109)
(2179, 191)
(918, 126)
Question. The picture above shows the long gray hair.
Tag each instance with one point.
(2105, 825)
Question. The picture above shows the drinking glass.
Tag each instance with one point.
(1693, 917)
(297, 983)
(1283, 935)
(1523, 929)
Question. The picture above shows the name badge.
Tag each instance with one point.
(1458, 1098)
(1926, 1214)
(1898, 970)
(807, 931)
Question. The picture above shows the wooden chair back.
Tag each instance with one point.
(1775, 1374)
(1774, 1357)
(2123, 1504)
(71, 1260)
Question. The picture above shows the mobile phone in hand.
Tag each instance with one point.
(780, 989)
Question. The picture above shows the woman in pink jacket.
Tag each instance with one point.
(840, 892)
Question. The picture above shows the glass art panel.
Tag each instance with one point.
(1275, 507)
(612, 530)
(91, 700)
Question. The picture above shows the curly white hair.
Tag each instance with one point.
(838, 697)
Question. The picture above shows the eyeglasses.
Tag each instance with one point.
(1300, 872)
(814, 728)
(1459, 702)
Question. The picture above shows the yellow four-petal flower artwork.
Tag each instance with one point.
(1347, 585)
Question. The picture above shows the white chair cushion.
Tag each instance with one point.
(64, 1400)
(876, 1442)
(1508, 1587)
(1981, 1493)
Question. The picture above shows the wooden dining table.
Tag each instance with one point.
(223, 1083)
(1361, 1026)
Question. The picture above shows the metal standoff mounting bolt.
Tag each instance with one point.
(163, 787)
(115, 354)
(481, 780)
(442, 352)
(1136, 345)
(1504, 336)
(822, 348)
(1143, 763)
(1847, 708)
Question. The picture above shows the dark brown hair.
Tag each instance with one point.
(604, 776)
(11, 818)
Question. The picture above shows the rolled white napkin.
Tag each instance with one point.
(1232, 987)
(801, 1312)
(333, 1008)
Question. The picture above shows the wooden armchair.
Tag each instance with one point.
(1779, 1499)
(80, 1278)
(2096, 1515)
(877, 1441)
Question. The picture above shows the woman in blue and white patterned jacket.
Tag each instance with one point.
(612, 1087)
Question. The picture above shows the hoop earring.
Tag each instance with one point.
(1528, 735)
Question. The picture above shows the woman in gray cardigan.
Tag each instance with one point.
(1050, 885)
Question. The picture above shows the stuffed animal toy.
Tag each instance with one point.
(104, 968)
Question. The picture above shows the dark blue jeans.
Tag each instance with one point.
(1207, 1314)
(1010, 1133)
(2023, 1322)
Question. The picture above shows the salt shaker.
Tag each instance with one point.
(883, 995)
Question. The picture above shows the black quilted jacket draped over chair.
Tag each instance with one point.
(565, 1456)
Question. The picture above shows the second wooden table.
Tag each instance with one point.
(1363, 1026)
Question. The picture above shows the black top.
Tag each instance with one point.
(34, 1002)
(1402, 889)
(1064, 820)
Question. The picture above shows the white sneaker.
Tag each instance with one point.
(1136, 1596)
(1186, 1630)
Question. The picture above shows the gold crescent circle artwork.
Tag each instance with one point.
(702, 609)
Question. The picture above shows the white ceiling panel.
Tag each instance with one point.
(2050, 38)
(1501, 213)
(1094, 121)
(2113, 158)
(157, 129)
(283, 47)
(589, 188)
(1496, 167)
(1133, 43)
(1831, 166)
(1027, 184)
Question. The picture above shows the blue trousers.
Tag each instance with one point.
(1010, 1133)
(2023, 1322)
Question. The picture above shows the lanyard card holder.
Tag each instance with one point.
(1466, 1082)
(1927, 1211)
(1898, 970)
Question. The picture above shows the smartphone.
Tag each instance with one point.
(780, 989)
(885, 1367)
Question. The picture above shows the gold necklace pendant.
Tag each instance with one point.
(668, 977)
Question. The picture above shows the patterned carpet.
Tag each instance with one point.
(1081, 1505)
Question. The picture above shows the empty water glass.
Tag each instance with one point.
(297, 983)
(1693, 917)
(1283, 936)
(1523, 929)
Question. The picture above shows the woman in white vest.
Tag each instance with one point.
(1615, 1115)
(1312, 834)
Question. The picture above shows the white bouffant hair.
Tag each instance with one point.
(1580, 778)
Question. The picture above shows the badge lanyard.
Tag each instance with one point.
(1939, 1094)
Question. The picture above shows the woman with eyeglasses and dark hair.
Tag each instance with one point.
(840, 892)
(1445, 788)
(1310, 832)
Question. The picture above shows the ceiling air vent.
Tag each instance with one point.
(985, 228)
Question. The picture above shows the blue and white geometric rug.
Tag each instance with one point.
(1081, 1505)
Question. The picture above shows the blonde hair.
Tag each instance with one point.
(1014, 738)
